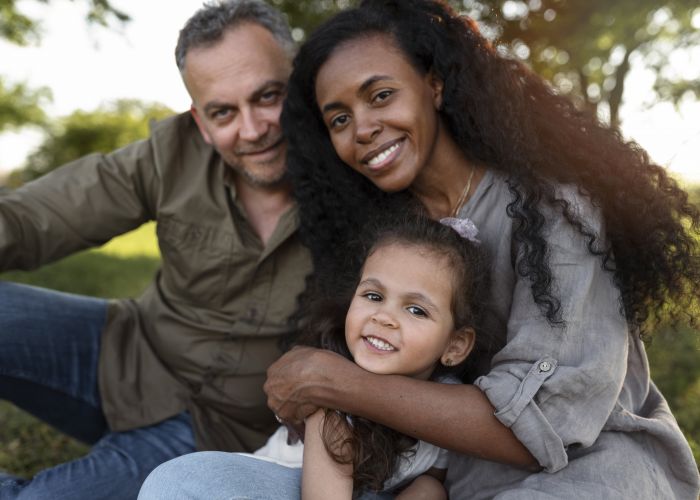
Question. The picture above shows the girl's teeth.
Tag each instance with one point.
(380, 344)
(383, 155)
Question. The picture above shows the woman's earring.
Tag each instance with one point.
(447, 362)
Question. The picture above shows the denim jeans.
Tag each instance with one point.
(49, 352)
(215, 475)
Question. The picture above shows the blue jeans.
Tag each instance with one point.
(49, 351)
(215, 475)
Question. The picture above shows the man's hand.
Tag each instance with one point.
(297, 382)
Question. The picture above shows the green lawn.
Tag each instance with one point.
(124, 267)
(121, 268)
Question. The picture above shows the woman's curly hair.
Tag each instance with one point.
(507, 118)
(373, 449)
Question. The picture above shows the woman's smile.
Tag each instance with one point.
(381, 157)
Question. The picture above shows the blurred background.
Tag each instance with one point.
(82, 76)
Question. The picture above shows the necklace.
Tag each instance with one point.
(465, 192)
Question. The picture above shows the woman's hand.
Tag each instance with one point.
(298, 382)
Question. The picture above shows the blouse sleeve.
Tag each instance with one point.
(555, 386)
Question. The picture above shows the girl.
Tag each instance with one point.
(411, 312)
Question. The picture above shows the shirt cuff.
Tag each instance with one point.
(521, 414)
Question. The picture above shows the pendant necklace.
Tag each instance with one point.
(465, 192)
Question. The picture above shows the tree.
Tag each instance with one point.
(585, 48)
(83, 132)
(19, 104)
(16, 27)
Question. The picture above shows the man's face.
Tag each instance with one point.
(237, 87)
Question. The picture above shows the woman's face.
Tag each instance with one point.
(381, 113)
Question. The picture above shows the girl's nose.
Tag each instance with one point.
(384, 319)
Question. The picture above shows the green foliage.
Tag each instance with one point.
(305, 15)
(20, 105)
(27, 445)
(585, 48)
(674, 358)
(121, 268)
(16, 27)
(83, 132)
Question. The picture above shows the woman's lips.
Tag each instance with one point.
(380, 157)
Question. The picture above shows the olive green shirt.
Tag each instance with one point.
(202, 335)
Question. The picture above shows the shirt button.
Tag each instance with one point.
(545, 366)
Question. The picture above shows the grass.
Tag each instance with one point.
(121, 268)
(125, 266)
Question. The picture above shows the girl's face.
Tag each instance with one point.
(380, 112)
(400, 319)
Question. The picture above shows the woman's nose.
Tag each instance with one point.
(366, 128)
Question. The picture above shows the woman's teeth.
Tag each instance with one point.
(383, 155)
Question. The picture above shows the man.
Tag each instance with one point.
(182, 367)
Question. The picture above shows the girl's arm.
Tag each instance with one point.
(322, 477)
(427, 486)
(453, 416)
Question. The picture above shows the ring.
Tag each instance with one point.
(278, 418)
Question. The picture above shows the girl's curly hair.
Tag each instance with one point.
(503, 116)
(373, 449)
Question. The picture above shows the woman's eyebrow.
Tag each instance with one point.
(362, 88)
(372, 80)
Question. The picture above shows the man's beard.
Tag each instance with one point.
(256, 180)
(248, 174)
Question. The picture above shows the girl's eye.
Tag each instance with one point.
(417, 311)
(339, 121)
(374, 297)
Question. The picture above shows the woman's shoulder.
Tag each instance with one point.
(499, 188)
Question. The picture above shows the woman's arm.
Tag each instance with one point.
(322, 477)
(456, 417)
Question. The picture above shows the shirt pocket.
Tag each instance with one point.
(195, 259)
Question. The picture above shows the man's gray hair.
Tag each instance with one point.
(208, 25)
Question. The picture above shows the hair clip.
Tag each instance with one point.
(464, 227)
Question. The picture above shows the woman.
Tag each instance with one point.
(591, 245)
(579, 225)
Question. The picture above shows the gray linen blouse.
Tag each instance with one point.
(579, 397)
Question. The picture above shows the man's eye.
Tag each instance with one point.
(220, 113)
(374, 297)
(270, 97)
(417, 311)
